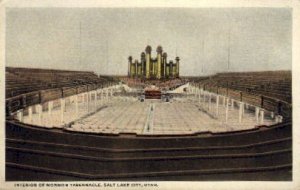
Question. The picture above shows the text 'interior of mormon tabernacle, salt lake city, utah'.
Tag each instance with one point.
(148, 94)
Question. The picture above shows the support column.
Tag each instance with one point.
(232, 104)
(262, 115)
(204, 99)
(280, 119)
(256, 114)
(85, 97)
(39, 109)
(277, 118)
(209, 104)
(101, 97)
(50, 107)
(111, 92)
(30, 114)
(20, 115)
(95, 99)
(224, 101)
(241, 112)
(226, 110)
(106, 91)
(62, 110)
(246, 106)
(76, 106)
(217, 104)
(199, 96)
(91, 99)
(272, 115)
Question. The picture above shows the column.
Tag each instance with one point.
(217, 104)
(95, 99)
(256, 114)
(20, 115)
(247, 106)
(276, 119)
(232, 104)
(84, 97)
(111, 92)
(106, 91)
(101, 97)
(280, 119)
(50, 107)
(262, 115)
(272, 115)
(226, 110)
(204, 99)
(199, 96)
(30, 114)
(91, 100)
(39, 109)
(224, 101)
(76, 106)
(85, 101)
(62, 110)
(209, 104)
(240, 112)
(243, 109)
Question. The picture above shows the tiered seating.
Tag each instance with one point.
(37, 154)
(23, 80)
(16, 84)
(275, 84)
(162, 84)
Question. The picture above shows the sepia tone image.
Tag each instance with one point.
(148, 94)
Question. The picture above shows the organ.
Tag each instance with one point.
(153, 68)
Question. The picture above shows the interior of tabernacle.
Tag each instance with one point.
(112, 110)
(149, 94)
(151, 100)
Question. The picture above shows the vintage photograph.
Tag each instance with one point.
(148, 94)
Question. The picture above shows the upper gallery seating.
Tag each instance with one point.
(275, 84)
(24, 80)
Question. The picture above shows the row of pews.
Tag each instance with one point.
(39, 154)
(24, 80)
(26, 87)
(276, 84)
(271, 90)
(42, 154)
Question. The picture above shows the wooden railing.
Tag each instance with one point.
(37, 97)
(276, 105)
